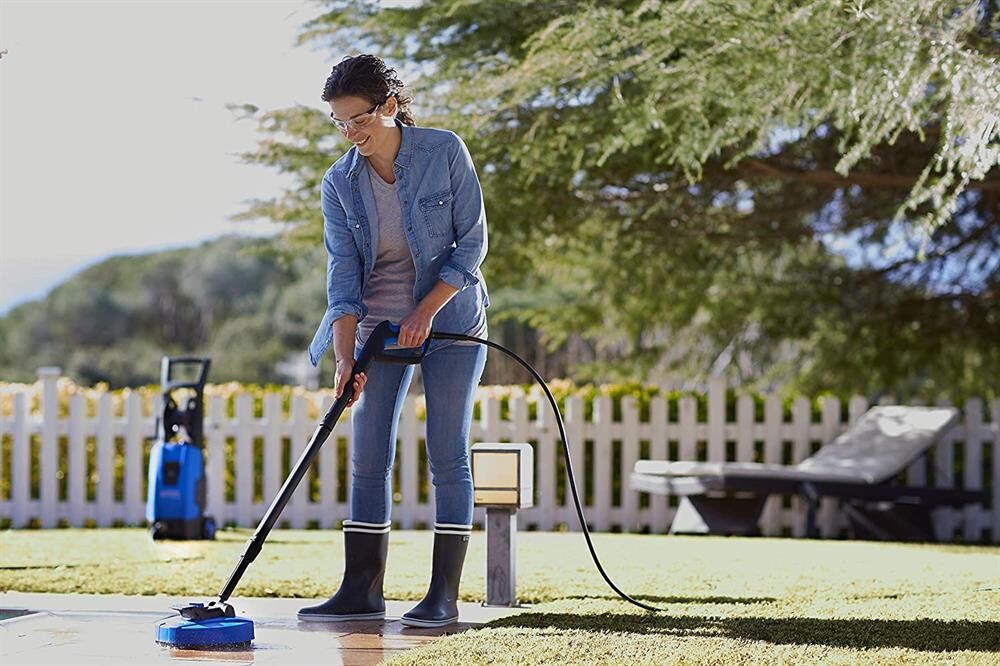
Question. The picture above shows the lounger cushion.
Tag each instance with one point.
(740, 470)
(883, 442)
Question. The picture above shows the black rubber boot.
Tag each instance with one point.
(440, 605)
(360, 593)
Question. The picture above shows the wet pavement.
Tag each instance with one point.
(116, 629)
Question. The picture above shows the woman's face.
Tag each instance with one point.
(367, 132)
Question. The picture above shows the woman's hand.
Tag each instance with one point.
(415, 327)
(345, 370)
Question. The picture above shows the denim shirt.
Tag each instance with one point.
(444, 220)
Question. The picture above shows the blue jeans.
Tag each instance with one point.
(451, 374)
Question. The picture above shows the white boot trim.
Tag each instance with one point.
(370, 528)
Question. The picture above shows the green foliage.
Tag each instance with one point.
(799, 194)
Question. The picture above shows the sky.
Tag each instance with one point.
(114, 132)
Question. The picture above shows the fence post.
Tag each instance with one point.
(658, 450)
(105, 461)
(717, 419)
(215, 466)
(77, 495)
(272, 447)
(574, 432)
(327, 506)
(20, 470)
(687, 421)
(134, 440)
(771, 521)
(630, 521)
(543, 502)
(745, 421)
(972, 468)
(243, 452)
(48, 459)
(801, 420)
(602, 461)
(296, 511)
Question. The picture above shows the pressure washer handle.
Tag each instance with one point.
(168, 363)
(405, 356)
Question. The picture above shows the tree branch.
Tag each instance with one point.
(757, 168)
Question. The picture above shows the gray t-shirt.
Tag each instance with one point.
(389, 293)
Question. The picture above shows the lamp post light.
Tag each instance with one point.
(503, 482)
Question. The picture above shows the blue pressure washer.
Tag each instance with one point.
(175, 503)
(214, 625)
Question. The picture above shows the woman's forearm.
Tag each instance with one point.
(436, 299)
(345, 329)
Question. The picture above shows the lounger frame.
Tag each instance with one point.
(733, 505)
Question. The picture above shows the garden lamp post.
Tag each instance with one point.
(503, 482)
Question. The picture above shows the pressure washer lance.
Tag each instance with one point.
(215, 624)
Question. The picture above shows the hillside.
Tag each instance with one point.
(232, 298)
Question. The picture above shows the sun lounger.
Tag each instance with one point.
(859, 467)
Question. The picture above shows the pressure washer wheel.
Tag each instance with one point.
(158, 531)
(208, 528)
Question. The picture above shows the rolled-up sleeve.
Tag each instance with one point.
(343, 266)
(468, 219)
(344, 270)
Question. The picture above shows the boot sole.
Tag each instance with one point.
(416, 622)
(313, 617)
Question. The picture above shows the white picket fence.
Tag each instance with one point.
(603, 452)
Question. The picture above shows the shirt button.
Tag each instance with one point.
(440, 203)
(357, 226)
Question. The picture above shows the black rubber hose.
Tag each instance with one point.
(569, 461)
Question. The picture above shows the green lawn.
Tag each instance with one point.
(728, 600)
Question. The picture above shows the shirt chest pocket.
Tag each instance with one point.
(435, 209)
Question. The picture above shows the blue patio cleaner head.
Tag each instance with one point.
(212, 626)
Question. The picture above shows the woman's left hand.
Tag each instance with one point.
(414, 328)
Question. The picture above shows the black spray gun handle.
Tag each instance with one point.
(405, 355)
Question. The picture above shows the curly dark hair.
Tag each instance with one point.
(369, 77)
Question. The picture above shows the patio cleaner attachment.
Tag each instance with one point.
(215, 625)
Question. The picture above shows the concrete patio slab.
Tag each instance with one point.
(118, 629)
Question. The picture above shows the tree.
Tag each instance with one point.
(800, 193)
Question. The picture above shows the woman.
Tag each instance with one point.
(405, 233)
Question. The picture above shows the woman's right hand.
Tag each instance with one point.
(345, 370)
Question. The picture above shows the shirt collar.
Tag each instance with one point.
(403, 157)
